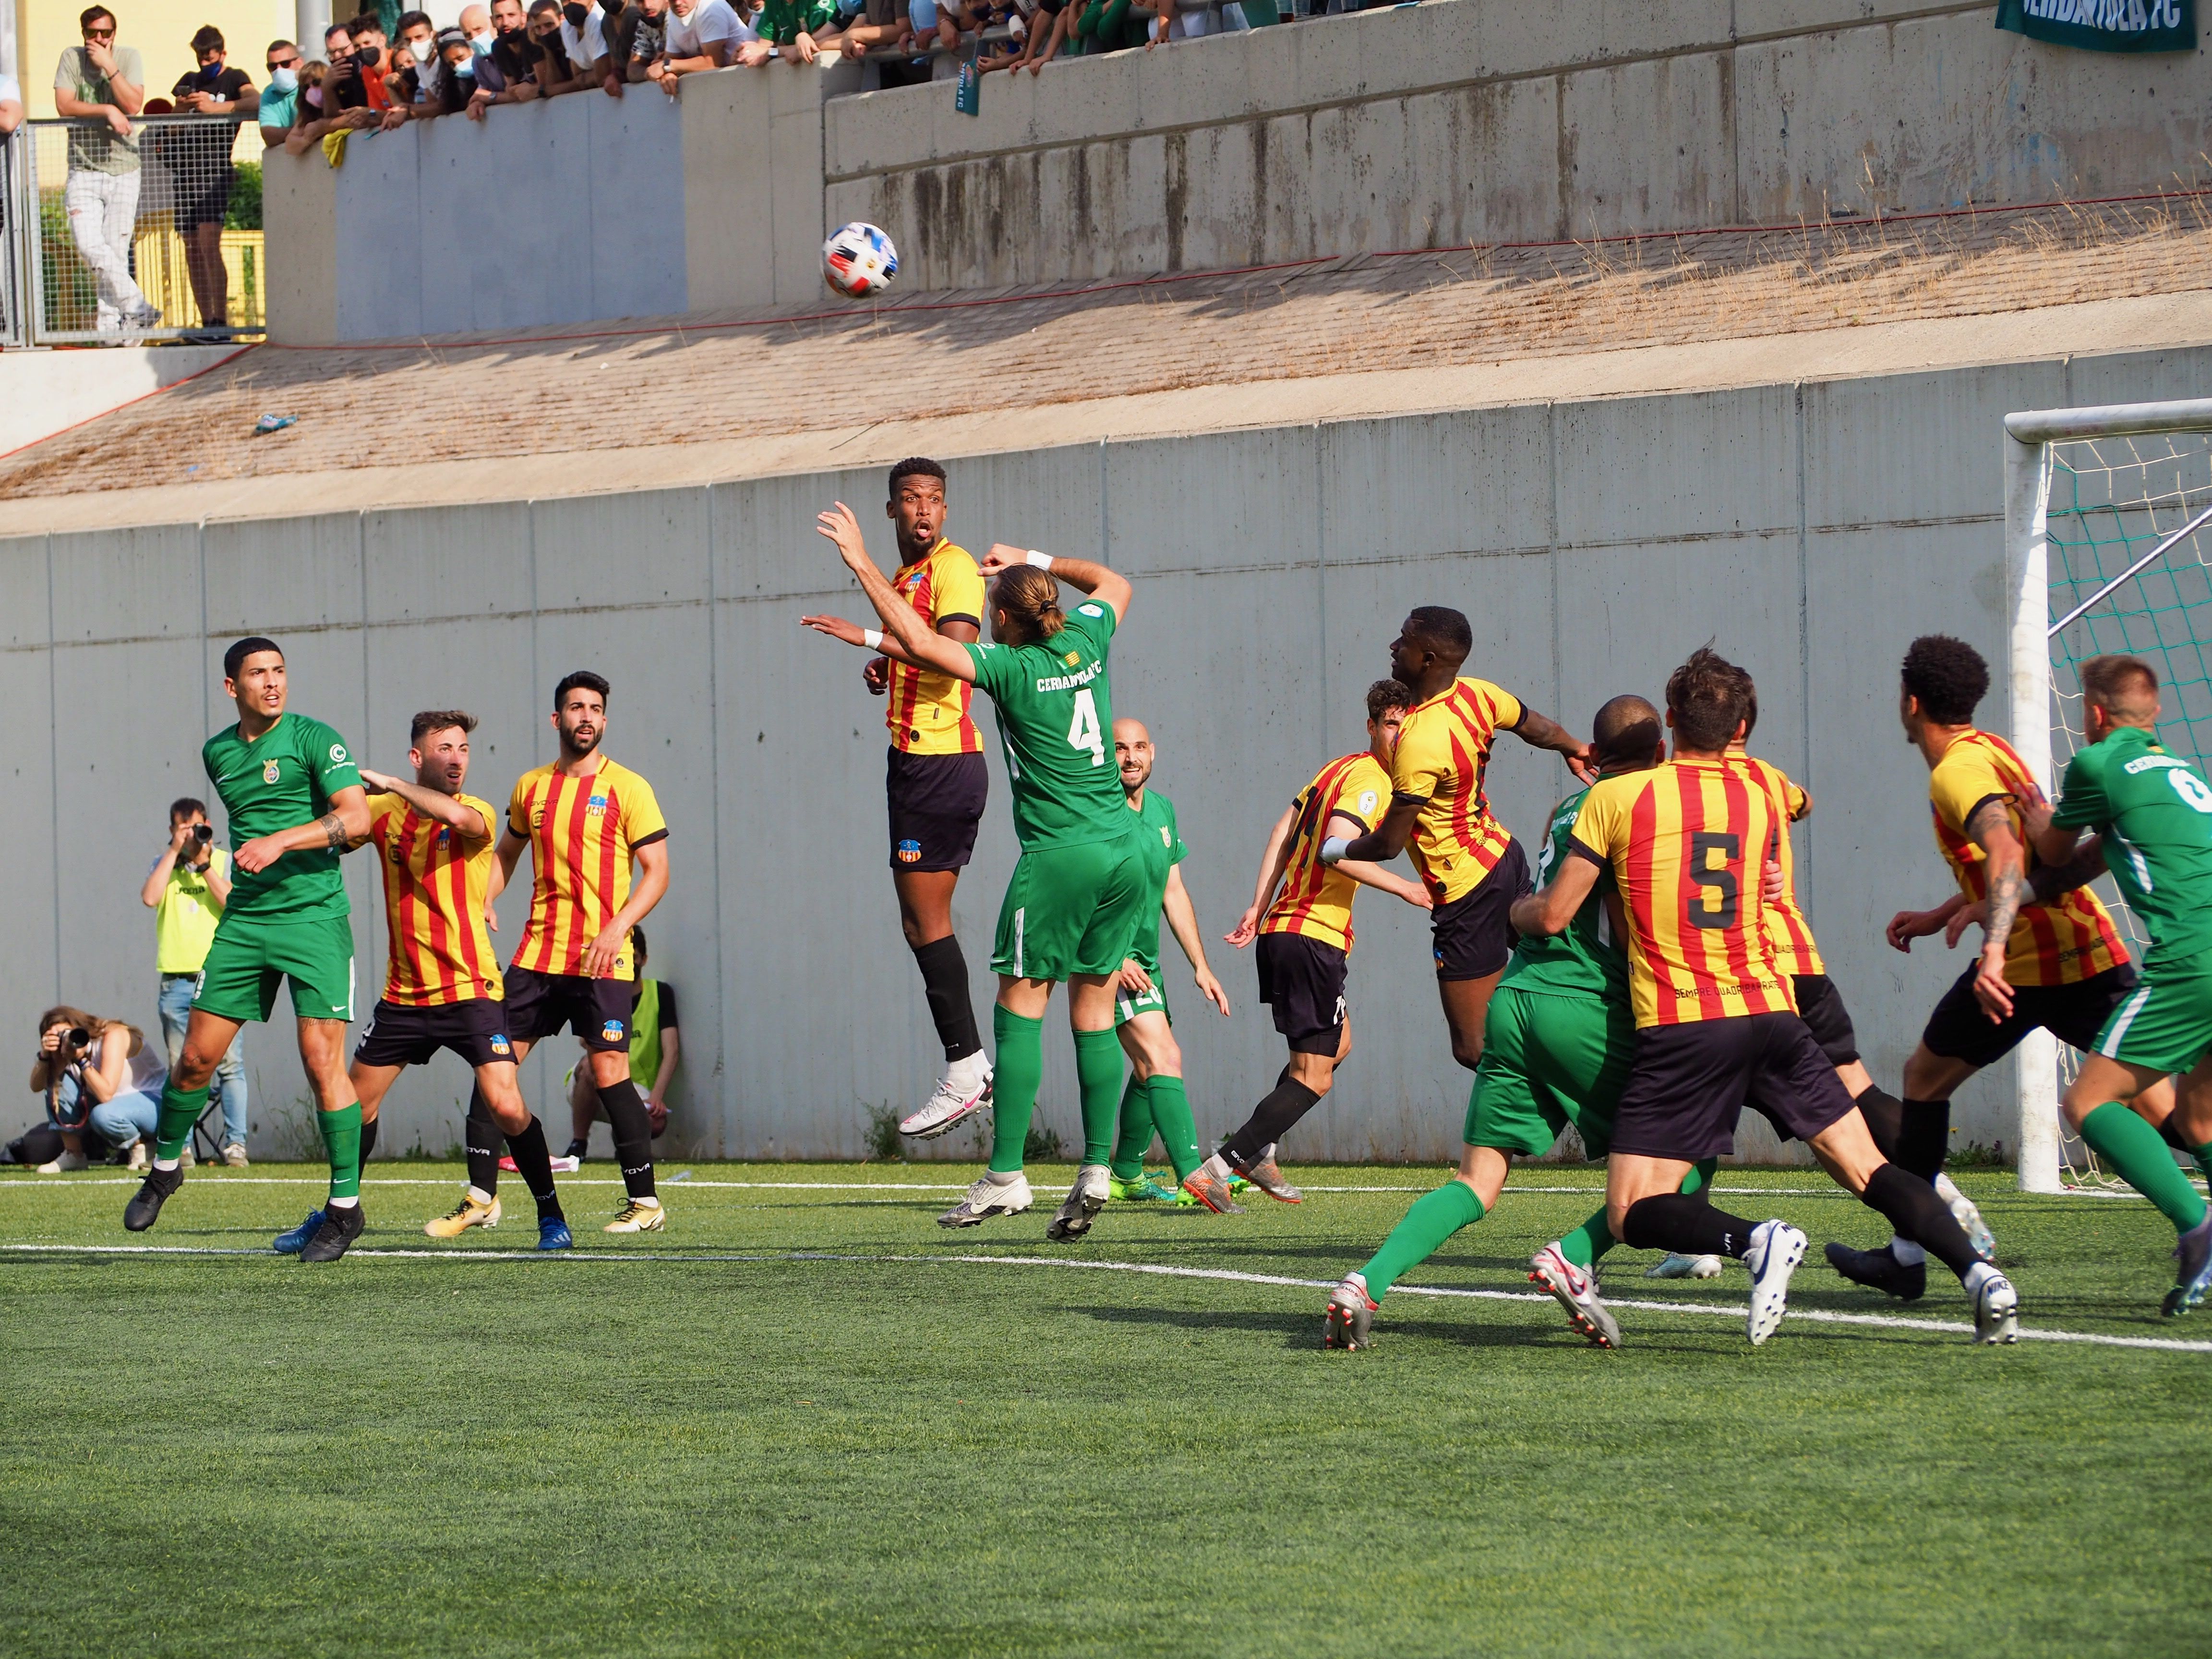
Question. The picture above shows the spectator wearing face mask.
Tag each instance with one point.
(199, 158)
(372, 58)
(335, 102)
(648, 41)
(416, 68)
(506, 60)
(280, 99)
(555, 71)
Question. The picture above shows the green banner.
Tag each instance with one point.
(2104, 25)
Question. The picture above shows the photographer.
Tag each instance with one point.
(186, 890)
(95, 1073)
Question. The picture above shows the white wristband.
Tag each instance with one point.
(871, 637)
(1042, 561)
(1334, 848)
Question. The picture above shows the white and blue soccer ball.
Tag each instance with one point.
(858, 260)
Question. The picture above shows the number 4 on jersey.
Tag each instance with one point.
(1084, 732)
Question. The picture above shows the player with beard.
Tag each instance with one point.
(598, 855)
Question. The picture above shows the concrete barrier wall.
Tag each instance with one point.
(1424, 126)
(1810, 531)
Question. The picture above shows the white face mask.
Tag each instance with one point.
(484, 43)
(284, 80)
(420, 50)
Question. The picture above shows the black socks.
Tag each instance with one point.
(480, 1139)
(945, 982)
(535, 1164)
(1924, 1137)
(368, 1139)
(1885, 1119)
(1917, 1214)
(1271, 1120)
(1686, 1224)
(633, 1131)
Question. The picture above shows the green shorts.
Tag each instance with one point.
(2164, 1023)
(1548, 1062)
(250, 958)
(1127, 1005)
(1070, 910)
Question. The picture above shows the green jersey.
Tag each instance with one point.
(284, 779)
(1159, 849)
(1056, 721)
(2154, 811)
(1586, 960)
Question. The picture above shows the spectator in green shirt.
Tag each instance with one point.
(791, 26)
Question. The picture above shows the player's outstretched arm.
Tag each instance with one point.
(340, 829)
(1548, 913)
(1272, 861)
(1182, 921)
(645, 891)
(902, 623)
(1907, 925)
(1374, 875)
(1542, 731)
(468, 822)
(1110, 589)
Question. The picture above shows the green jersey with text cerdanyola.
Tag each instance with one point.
(1056, 722)
(2154, 811)
(1159, 849)
(1586, 960)
(282, 780)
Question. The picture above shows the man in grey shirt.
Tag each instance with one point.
(100, 86)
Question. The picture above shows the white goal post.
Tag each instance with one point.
(2108, 533)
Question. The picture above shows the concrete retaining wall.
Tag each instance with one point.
(1810, 531)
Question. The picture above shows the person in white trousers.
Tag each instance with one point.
(95, 84)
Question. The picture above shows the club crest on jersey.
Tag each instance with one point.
(337, 754)
(910, 852)
(596, 806)
(501, 1047)
(612, 1031)
(269, 773)
(1166, 840)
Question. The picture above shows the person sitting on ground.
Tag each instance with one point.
(654, 1043)
(96, 1074)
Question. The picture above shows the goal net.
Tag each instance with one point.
(2108, 522)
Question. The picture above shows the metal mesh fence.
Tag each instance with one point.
(145, 236)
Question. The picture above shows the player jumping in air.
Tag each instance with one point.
(441, 988)
(1301, 915)
(1474, 870)
(1716, 1026)
(2153, 812)
(936, 783)
(2059, 965)
(296, 805)
(1154, 1100)
(1079, 888)
(1556, 1045)
(599, 857)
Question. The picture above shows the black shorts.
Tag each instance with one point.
(1959, 1029)
(1470, 934)
(400, 1036)
(1301, 980)
(1690, 1083)
(936, 803)
(1820, 1005)
(596, 1010)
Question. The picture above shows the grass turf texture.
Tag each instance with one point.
(240, 1455)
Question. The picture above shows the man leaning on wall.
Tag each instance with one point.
(98, 87)
(186, 890)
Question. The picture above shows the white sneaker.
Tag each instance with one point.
(234, 1156)
(1575, 1289)
(64, 1165)
(565, 1165)
(1686, 1267)
(1996, 1310)
(987, 1198)
(944, 1110)
(1968, 1218)
(139, 1159)
(184, 1159)
(1085, 1199)
(1775, 1250)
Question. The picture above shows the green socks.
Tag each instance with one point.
(1434, 1217)
(1594, 1237)
(1097, 1077)
(173, 1126)
(2139, 1154)
(1017, 1062)
(341, 1139)
(1135, 1139)
(1178, 1129)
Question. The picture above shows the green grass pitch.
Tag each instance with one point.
(806, 1420)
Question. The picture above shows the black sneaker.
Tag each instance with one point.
(341, 1225)
(1879, 1270)
(145, 1209)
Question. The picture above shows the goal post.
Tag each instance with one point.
(2108, 544)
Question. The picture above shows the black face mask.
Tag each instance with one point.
(366, 56)
(511, 35)
(574, 14)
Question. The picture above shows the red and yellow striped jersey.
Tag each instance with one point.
(1315, 898)
(929, 711)
(1443, 751)
(1789, 935)
(1685, 841)
(436, 883)
(2051, 943)
(582, 831)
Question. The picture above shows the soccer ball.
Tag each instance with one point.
(859, 259)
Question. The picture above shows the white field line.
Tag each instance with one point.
(1594, 1189)
(1728, 1310)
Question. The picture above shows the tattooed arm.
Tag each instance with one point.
(344, 827)
(2007, 871)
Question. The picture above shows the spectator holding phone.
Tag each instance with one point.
(95, 1074)
(221, 97)
(186, 890)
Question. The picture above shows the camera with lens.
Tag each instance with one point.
(78, 1039)
(203, 833)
